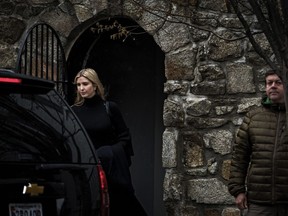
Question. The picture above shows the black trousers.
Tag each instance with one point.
(125, 204)
(121, 192)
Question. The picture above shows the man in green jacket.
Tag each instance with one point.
(259, 168)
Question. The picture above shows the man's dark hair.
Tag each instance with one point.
(272, 72)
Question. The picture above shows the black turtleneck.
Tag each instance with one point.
(102, 128)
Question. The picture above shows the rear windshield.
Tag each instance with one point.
(41, 128)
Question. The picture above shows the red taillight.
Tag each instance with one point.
(10, 80)
(105, 202)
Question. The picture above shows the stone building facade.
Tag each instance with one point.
(211, 83)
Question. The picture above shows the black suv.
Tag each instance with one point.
(48, 165)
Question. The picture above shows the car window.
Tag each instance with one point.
(41, 128)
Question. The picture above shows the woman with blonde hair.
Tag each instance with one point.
(107, 130)
(91, 75)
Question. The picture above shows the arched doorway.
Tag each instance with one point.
(132, 71)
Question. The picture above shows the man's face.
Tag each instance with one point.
(275, 89)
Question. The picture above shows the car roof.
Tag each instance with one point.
(13, 82)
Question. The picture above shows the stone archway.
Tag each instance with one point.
(133, 72)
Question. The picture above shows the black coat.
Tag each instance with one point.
(106, 128)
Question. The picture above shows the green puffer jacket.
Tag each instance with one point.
(263, 137)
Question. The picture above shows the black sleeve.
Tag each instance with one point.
(122, 133)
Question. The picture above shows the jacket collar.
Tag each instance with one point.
(266, 102)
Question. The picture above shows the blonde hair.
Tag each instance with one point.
(92, 76)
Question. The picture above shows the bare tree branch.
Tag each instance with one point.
(249, 34)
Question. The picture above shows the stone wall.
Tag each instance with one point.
(211, 83)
